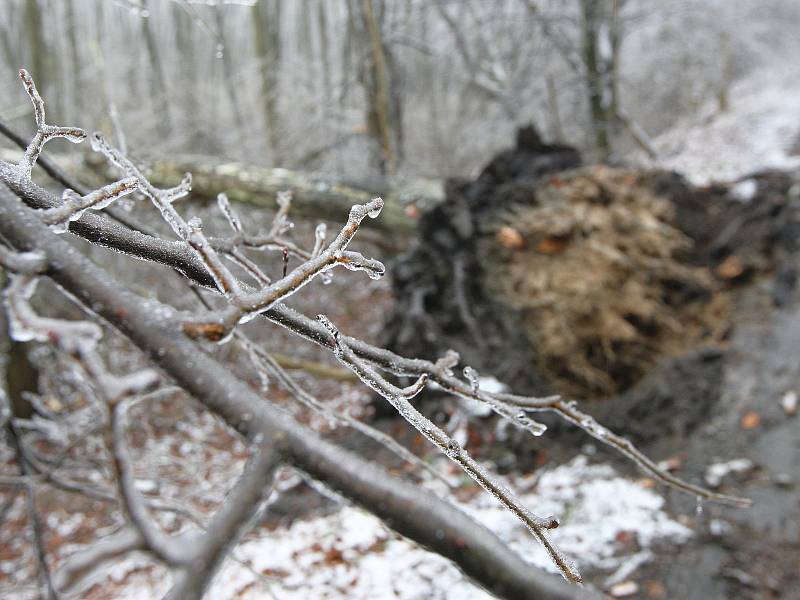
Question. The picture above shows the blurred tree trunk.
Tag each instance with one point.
(555, 113)
(266, 17)
(37, 46)
(324, 54)
(228, 71)
(347, 51)
(377, 85)
(184, 42)
(600, 42)
(75, 58)
(17, 373)
(158, 82)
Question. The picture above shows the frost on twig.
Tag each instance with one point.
(77, 339)
(73, 204)
(515, 408)
(266, 365)
(243, 302)
(44, 132)
(400, 400)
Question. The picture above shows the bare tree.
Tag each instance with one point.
(31, 221)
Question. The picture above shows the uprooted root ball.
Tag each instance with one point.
(591, 264)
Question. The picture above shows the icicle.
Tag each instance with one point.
(374, 208)
(473, 378)
(225, 207)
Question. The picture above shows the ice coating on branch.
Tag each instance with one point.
(181, 190)
(320, 233)
(473, 377)
(399, 399)
(25, 325)
(225, 208)
(374, 208)
(74, 205)
(44, 132)
(453, 449)
(281, 223)
(22, 262)
(534, 427)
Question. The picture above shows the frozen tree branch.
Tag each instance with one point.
(44, 132)
(243, 304)
(404, 507)
(399, 399)
(77, 566)
(159, 331)
(266, 365)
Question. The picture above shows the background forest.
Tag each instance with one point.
(409, 88)
(563, 340)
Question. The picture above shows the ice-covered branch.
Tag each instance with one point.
(399, 399)
(77, 339)
(79, 564)
(267, 366)
(244, 303)
(408, 509)
(44, 132)
(74, 205)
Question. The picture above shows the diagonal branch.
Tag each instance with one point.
(406, 508)
(399, 399)
(97, 229)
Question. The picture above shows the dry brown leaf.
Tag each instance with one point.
(510, 238)
(731, 267)
(750, 420)
(552, 245)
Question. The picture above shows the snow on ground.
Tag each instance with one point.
(759, 130)
(607, 522)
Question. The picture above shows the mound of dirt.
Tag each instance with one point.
(553, 277)
(593, 268)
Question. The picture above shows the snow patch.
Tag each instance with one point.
(759, 130)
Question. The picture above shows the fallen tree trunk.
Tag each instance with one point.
(313, 195)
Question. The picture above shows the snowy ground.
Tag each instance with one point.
(609, 524)
(759, 130)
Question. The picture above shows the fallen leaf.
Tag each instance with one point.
(623, 589)
(731, 267)
(552, 245)
(655, 589)
(750, 420)
(510, 238)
